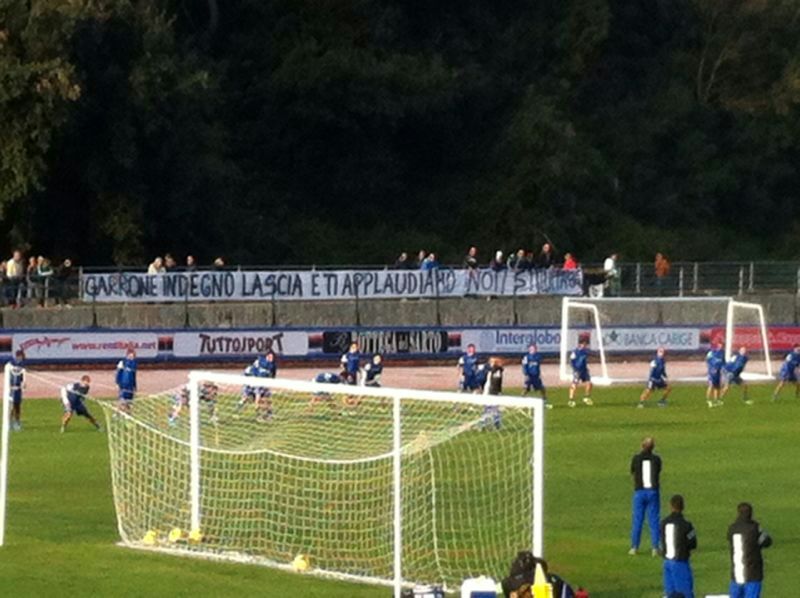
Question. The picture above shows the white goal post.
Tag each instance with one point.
(726, 309)
(379, 485)
(6, 427)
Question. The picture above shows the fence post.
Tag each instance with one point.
(638, 278)
(680, 282)
(358, 306)
(741, 280)
(750, 283)
(695, 278)
(798, 281)
(80, 287)
(186, 321)
(435, 273)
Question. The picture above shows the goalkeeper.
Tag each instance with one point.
(72, 396)
(733, 374)
(493, 386)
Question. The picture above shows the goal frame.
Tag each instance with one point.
(591, 305)
(4, 438)
(397, 396)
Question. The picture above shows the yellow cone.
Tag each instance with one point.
(541, 589)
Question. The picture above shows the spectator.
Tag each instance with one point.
(170, 265)
(613, 279)
(497, 264)
(518, 262)
(219, 264)
(3, 279)
(570, 263)
(420, 259)
(15, 272)
(547, 258)
(191, 264)
(662, 268)
(44, 272)
(471, 260)
(157, 267)
(64, 276)
(31, 290)
(401, 263)
(430, 262)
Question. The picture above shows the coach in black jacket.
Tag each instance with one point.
(746, 539)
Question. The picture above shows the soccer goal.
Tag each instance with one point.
(380, 485)
(625, 328)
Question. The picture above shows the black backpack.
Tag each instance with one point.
(523, 570)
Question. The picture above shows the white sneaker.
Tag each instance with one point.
(588, 401)
(654, 553)
(632, 552)
(640, 405)
(570, 403)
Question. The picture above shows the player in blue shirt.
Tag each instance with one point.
(532, 373)
(126, 381)
(657, 380)
(17, 384)
(351, 363)
(265, 366)
(788, 372)
(468, 368)
(72, 396)
(579, 360)
(715, 361)
(371, 373)
(733, 374)
(208, 397)
(325, 378)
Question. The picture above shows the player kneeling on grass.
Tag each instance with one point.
(579, 360)
(492, 386)
(532, 373)
(715, 361)
(657, 379)
(324, 378)
(371, 373)
(788, 372)
(733, 374)
(72, 396)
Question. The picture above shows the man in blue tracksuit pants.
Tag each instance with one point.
(646, 471)
(678, 539)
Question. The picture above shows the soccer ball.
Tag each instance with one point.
(301, 563)
(195, 536)
(175, 534)
(149, 538)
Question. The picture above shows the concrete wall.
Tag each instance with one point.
(780, 309)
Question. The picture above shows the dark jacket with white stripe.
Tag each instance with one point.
(746, 539)
(646, 470)
(678, 538)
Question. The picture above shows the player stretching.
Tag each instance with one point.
(371, 373)
(468, 368)
(733, 374)
(788, 372)
(207, 395)
(579, 360)
(126, 381)
(657, 380)
(532, 373)
(72, 396)
(492, 386)
(351, 362)
(715, 361)
(17, 384)
(265, 367)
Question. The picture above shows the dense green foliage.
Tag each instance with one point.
(319, 131)
(62, 530)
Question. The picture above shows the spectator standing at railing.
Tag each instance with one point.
(170, 265)
(31, 290)
(613, 282)
(15, 273)
(156, 267)
(420, 259)
(471, 260)
(661, 268)
(219, 264)
(402, 262)
(430, 262)
(517, 261)
(546, 259)
(44, 272)
(570, 263)
(498, 263)
(63, 278)
(191, 264)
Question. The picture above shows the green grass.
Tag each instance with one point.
(61, 534)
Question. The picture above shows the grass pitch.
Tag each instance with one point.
(61, 535)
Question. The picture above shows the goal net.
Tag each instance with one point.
(371, 484)
(620, 330)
